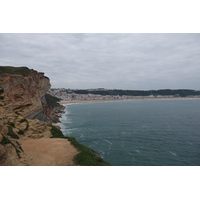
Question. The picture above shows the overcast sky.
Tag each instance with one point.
(113, 61)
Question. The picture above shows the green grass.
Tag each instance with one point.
(56, 133)
(86, 156)
(24, 71)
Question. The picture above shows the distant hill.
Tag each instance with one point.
(164, 92)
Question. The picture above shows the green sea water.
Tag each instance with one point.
(138, 133)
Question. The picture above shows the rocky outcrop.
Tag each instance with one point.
(24, 111)
(23, 93)
(27, 136)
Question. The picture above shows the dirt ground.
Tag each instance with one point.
(49, 152)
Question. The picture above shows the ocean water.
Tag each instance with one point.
(138, 133)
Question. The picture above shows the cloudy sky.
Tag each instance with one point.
(114, 61)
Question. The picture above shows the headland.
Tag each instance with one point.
(27, 114)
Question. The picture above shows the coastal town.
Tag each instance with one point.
(69, 95)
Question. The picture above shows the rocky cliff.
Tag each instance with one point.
(24, 93)
(25, 111)
(27, 136)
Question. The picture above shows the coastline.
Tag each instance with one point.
(87, 154)
(133, 99)
(83, 155)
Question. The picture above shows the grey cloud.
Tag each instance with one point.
(127, 61)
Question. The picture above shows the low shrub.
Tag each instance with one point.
(11, 124)
(11, 133)
(21, 132)
(6, 141)
(27, 124)
(24, 71)
(23, 120)
(86, 156)
(1, 90)
(56, 133)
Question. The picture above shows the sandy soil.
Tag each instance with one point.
(49, 152)
(135, 99)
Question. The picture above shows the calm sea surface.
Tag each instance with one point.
(138, 133)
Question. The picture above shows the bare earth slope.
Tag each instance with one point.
(49, 152)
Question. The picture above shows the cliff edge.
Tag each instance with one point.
(27, 136)
(26, 115)
(24, 92)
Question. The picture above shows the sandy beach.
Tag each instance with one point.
(133, 99)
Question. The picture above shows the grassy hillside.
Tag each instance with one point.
(24, 71)
(86, 156)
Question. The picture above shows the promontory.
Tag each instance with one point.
(27, 114)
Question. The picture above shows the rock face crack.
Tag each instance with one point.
(21, 107)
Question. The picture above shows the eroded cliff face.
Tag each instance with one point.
(23, 94)
(24, 112)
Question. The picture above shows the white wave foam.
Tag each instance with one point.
(64, 121)
(108, 141)
(174, 154)
(101, 152)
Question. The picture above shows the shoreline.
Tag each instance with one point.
(133, 99)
